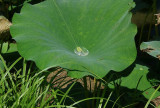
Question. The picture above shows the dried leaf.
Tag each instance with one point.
(4, 28)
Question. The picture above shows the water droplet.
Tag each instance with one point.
(81, 51)
(141, 69)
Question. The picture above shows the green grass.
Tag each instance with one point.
(19, 89)
(25, 88)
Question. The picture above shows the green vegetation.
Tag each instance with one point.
(78, 54)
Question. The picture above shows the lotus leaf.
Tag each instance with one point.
(89, 37)
(138, 79)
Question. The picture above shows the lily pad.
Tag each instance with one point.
(90, 37)
(152, 48)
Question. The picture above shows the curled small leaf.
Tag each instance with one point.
(152, 48)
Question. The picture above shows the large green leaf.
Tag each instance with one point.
(91, 36)
(152, 48)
